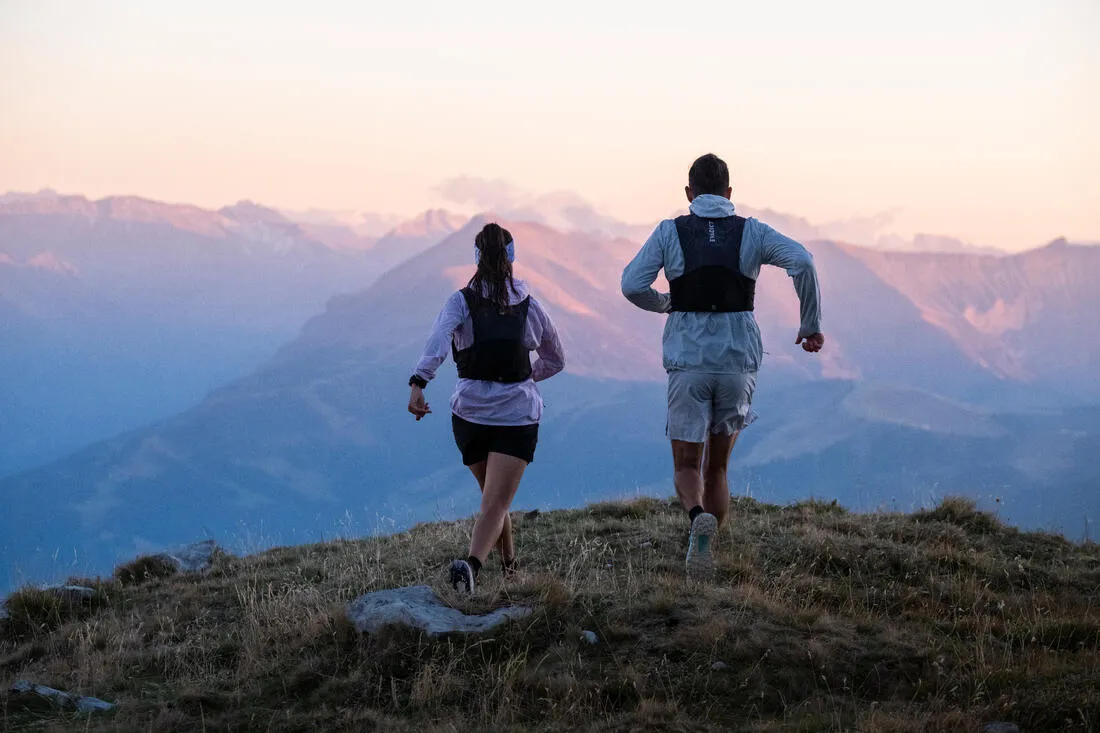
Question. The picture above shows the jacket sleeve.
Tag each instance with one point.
(639, 275)
(439, 342)
(551, 355)
(781, 251)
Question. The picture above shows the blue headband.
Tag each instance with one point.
(510, 250)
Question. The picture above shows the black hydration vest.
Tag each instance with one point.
(498, 353)
(712, 281)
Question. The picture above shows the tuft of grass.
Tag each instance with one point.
(145, 568)
(819, 506)
(819, 619)
(961, 512)
(33, 612)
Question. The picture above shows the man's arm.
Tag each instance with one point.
(639, 275)
(781, 251)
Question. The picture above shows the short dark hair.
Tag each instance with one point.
(709, 174)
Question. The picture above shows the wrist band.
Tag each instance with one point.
(418, 381)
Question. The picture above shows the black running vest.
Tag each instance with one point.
(712, 281)
(497, 353)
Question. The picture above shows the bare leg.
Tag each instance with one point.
(716, 490)
(504, 545)
(502, 476)
(687, 460)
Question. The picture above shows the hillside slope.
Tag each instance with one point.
(818, 620)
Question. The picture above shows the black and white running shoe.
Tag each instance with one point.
(700, 561)
(462, 577)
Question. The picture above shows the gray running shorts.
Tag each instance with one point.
(701, 403)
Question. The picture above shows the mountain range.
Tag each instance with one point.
(118, 312)
(943, 373)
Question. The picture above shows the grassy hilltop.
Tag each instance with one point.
(819, 620)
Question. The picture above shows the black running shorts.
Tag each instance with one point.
(477, 441)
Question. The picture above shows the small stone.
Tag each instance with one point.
(71, 594)
(719, 666)
(589, 636)
(194, 558)
(1000, 728)
(92, 705)
(647, 543)
(418, 606)
(26, 694)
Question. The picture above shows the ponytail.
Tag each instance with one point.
(493, 278)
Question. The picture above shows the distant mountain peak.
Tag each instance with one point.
(41, 195)
(249, 212)
(182, 216)
(50, 261)
(430, 222)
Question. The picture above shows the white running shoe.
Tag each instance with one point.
(700, 561)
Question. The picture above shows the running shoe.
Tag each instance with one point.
(699, 561)
(462, 577)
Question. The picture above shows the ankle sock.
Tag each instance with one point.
(475, 564)
(695, 511)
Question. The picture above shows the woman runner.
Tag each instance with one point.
(491, 327)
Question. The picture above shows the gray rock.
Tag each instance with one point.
(72, 594)
(1000, 728)
(589, 636)
(29, 695)
(418, 606)
(194, 558)
(719, 666)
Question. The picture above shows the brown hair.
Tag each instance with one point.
(709, 174)
(494, 272)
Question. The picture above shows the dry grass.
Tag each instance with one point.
(143, 568)
(823, 620)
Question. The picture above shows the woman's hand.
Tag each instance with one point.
(417, 405)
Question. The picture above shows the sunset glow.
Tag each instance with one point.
(976, 120)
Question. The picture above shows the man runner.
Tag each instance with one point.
(712, 347)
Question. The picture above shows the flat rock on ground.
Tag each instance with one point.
(419, 607)
(26, 694)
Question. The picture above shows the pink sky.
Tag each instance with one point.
(978, 120)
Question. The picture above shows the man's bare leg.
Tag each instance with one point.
(505, 545)
(687, 461)
(716, 490)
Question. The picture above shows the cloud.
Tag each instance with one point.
(482, 193)
(562, 210)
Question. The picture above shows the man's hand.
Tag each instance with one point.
(812, 343)
(417, 405)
